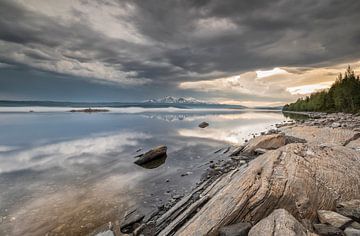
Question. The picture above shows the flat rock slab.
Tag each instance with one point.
(355, 144)
(316, 135)
(333, 218)
(301, 178)
(279, 223)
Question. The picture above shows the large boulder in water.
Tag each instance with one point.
(203, 124)
(153, 154)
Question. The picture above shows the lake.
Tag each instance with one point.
(70, 173)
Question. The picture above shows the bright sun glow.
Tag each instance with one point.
(267, 73)
(307, 89)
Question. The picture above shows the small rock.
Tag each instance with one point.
(328, 230)
(176, 197)
(333, 218)
(239, 229)
(203, 124)
(335, 125)
(351, 232)
(349, 208)
(155, 153)
(355, 225)
(242, 162)
(106, 233)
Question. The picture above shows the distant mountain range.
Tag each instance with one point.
(175, 100)
(168, 101)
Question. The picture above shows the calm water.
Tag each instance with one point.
(69, 173)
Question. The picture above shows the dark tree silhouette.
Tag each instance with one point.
(343, 96)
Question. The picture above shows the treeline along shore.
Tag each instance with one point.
(343, 96)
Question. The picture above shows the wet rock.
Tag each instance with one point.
(185, 174)
(279, 222)
(237, 151)
(328, 230)
(273, 131)
(176, 197)
(333, 218)
(131, 221)
(219, 150)
(203, 124)
(156, 153)
(239, 229)
(349, 208)
(351, 232)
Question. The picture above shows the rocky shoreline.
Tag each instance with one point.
(303, 167)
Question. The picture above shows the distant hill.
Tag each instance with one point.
(277, 108)
(175, 100)
(343, 96)
(155, 103)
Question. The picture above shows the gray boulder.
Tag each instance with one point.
(352, 232)
(328, 230)
(280, 223)
(239, 229)
(349, 208)
(151, 155)
(333, 218)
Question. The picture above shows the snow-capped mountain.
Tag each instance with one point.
(181, 100)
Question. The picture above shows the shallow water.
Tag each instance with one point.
(69, 173)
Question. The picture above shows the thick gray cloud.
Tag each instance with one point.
(156, 43)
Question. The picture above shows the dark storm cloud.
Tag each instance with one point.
(177, 41)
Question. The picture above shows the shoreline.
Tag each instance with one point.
(182, 211)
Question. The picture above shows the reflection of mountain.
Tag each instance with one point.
(214, 114)
(170, 117)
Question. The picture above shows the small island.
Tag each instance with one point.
(89, 110)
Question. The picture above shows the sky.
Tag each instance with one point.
(255, 53)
